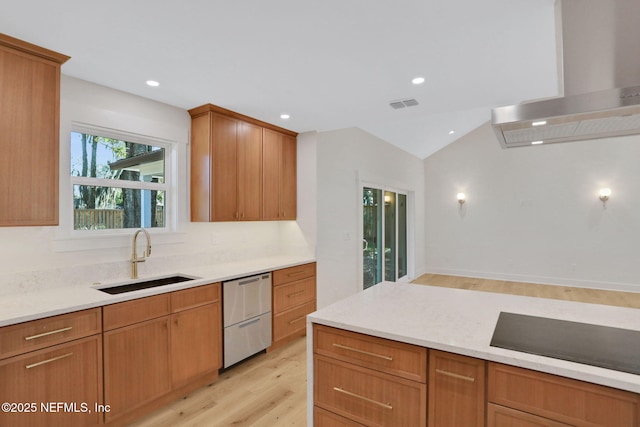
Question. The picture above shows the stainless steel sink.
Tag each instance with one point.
(145, 284)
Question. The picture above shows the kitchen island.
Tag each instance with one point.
(461, 323)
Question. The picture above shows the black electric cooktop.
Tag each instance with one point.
(603, 346)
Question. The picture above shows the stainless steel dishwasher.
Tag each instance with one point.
(247, 317)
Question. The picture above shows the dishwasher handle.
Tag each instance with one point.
(249, 281)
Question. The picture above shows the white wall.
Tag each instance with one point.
(533, 213)
(49, 256)
(345, 159)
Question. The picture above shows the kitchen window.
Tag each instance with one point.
(119, 181)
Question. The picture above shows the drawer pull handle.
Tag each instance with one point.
(53, 359)
(297, 320)
(44, 334)
(457, 376)
(344, 347)
(297, 273)
(295, 293)
(366, 399)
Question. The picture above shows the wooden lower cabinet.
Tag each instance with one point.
(323, 418)
(499, 416)
(164, 346)
(564, 400)
(56, 386)
(368, 397)
(37, 334)
(392, 357)
(456, 390)
(364, 380)
(196, 337)
(293, 297)
(136, 365)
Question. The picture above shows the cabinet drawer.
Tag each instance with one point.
(292, 294)
(37, 334)
(562, 399)
(405, 360)
(69, 373)
(499, 416)
(135, 311)
(292, 321)
(194, 297)
(292, 274)
(323, 418)
(366, 396)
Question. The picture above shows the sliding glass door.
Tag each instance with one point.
(384, 236)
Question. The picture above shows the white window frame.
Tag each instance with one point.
(170, 211)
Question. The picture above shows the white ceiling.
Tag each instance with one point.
(331, 64)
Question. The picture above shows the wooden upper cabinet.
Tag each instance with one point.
(29, 133)
(249, 171)
(279, 176)
(224, 177)
(237, 175)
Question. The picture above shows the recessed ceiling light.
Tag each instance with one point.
(284, 116)
(451, 132)
(418, 80)
(540, 123)
(153, 83)
(536, 142)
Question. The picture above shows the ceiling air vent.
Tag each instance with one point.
(402, 103)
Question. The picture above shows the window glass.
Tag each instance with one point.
(117, 184)
(99, 208)
(100, 157)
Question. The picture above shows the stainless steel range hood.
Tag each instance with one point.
(598, 58)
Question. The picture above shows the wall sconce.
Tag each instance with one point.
(604, 194)
(461, 198)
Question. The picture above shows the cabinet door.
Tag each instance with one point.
(279, 176)
(224, 183)
(68, 373)
(249, 172)
(456, 390)
(196, 342)
(200, 168)
(288, 177)
(29, 140)
(136, 365)
(270, 175)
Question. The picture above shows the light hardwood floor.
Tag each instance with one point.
(267, 390)
(596, 296)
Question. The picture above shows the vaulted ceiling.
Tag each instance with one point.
(330, 64)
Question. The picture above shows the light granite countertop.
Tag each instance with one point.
(39, 303)
(463, 321)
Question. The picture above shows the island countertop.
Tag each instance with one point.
(462, 321)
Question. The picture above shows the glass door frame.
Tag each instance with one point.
(409, 230)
